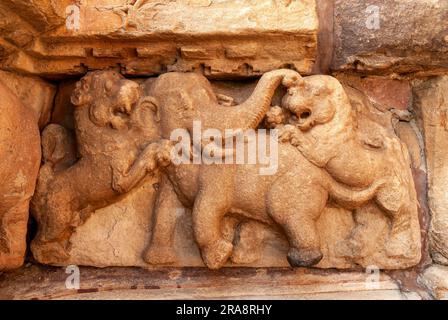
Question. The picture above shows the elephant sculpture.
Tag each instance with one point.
(20, 159)
(291, 200)
(113, 124)
(111, 130)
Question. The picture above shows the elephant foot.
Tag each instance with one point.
(304, 257)
(217, 254)
(157, 255)
(53, 253)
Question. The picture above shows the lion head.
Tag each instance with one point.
(109, 96)
(314, 100)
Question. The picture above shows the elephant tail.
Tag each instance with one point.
(352, 198)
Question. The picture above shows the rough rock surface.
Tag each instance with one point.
(199, 283)
(90, 211)
(394, 37)
(430, 103)
(34, 93)
(435, 278)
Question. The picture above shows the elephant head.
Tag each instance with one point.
(110, 96)
(311, 101)
(179, 99)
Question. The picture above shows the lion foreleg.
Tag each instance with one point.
(155, 154)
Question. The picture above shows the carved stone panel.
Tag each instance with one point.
(341, 194)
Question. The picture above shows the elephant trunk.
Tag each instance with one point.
(250, 113)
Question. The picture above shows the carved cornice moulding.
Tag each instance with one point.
(223, 39)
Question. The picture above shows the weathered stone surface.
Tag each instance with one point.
(21, 23)
(351, 232)
(385, 94)
(34, 93)
(222, 39)
(410, 37)
(435, 278)
(19, 165)
(40, 14)
(411, 136)
(430, 103)
(189, 283)
(361, 155)
(63, 110)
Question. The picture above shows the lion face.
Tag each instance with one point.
(109, 96)
(311, 102)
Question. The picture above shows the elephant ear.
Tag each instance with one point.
(145, 104)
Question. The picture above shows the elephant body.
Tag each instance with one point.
(20, 160)
(291, 200)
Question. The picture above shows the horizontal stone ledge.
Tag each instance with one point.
(159, 283)
(216, 58)
(222, 40)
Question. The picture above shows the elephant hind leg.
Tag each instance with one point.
(297, 214)
(13, 229)
(209, 210)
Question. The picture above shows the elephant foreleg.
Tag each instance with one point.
(210, 207)
(297, 214)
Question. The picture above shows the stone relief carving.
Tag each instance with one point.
(354, 150)
(20, 154)
(335, 153)
(111, 128)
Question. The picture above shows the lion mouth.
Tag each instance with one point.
(76, 97)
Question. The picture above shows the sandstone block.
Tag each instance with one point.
(391, 37)
(19, 165)
(430, 103)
